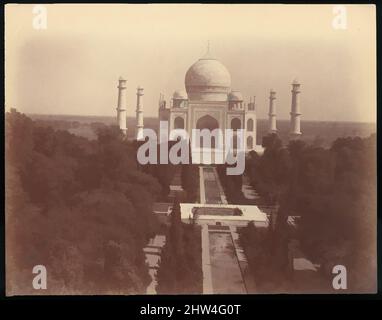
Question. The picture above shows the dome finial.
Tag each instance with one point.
(207, 55)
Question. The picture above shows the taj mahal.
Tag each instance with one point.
(209, 102)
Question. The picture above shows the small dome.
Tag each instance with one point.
(208, 79)
(180, 95)
(295, 81)
(235, 95)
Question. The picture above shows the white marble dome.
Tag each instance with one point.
(180, 95)
(235, 95)
(208, 80)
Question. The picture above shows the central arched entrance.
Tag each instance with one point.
(179, 123)
(207, 122)
(235, 124)
(210, 123)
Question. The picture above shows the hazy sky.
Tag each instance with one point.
(72, 67)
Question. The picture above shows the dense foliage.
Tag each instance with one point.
(266, 252)
(190, 181)
(81, 208)
(180, 268)
(269, 173)
(334, 192)
(232, 185)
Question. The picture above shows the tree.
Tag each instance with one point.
(232, 185)
(180, 266)
(332, 190)
(190, 181)
(82, 208)
(270, 173)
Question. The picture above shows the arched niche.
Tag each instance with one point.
(235, 124)
(178, 123)
(210, 123)
(250, 125)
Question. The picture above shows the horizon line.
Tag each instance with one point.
(156, 117)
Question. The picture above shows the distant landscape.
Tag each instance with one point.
(321, 133)
(268, 187)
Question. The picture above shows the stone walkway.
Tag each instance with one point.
(223, 261)
(201, 185)
(152, 253)
(211, 190)
(225, 268)
(221, 190)
(206, 261)
(248, 191)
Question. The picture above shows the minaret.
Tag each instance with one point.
(121, 109)
(139, 113)
(160, 101)
(250, 118)
(272, 112)
(295, 111)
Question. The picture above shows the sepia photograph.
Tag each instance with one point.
(177, 149)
